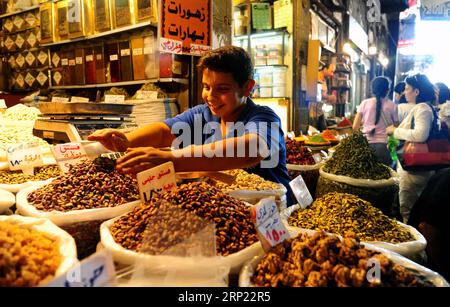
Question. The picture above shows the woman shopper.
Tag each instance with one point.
(375, 115)
(404, 106)
(416, 127)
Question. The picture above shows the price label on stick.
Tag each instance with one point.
(24, 157)
(301, 192)
(69, 154)
(95, 271)
(157, 179)
(317, 158)
(270, 228)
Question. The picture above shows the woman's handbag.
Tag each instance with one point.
(430, 155)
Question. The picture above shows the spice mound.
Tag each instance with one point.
(317, 140)
(234, 230)
(27, 257)
(355, 158)
(245, 181)
(298, 154)
(340, 213)
(40, 173)
(325, 261)
(86, 186)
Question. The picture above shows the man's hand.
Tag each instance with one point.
(142, 158)
(112, 139)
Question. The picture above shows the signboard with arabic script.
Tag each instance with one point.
(185, 26)
(435, 9)
(160, 179)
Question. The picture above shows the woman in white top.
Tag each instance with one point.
(416, 127)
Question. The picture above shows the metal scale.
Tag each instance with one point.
(62, 122)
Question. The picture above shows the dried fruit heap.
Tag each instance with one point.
(298, 154)
(27, 257)
(325, 261)
(86, 186)
(355, 158)
(341, 213)
(234, 229)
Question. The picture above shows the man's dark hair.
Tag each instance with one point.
(229, 59)
(400, 89)
(444, 92)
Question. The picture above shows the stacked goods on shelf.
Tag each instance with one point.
(300, 161)
(251, 188)
(33, 251)
(353, 168)
(341, 213)
(320, 260)
(28, 62)
(235, 234)
(80, 200)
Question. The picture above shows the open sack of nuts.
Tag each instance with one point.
(33, 251)
(14, 181)
(80, 200)
(251, 188)
(354, 169)
(7, 200)
(340, 213)
(235, 234)
(317, 259)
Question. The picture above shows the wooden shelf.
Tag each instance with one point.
(102, 34)
(32, 8)
(125, 83)
(273, 65)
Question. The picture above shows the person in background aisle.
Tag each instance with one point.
(430, 216)
(399, 90)
(227, 131)
(416, 127)
(404, 106)
(374, 115)
(444, 104)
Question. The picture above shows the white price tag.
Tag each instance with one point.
(151, 95)
(317, 158)
(270, 228)
(113, 57)
(72, 62)
(114, 98)
(137, 51)
(89, 58)
(24, 157)
(79, 60)
(65, 62)
(301, 192)
(69, 154)
(79, 99)
(159, 179)
(60, 99)
(125, 52)
(95, 271)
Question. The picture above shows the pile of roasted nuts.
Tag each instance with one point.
(27, 257)
(245, 181)
(234, 228)
(324, 261)
(40, 173)
(340, 213)
(86, 186)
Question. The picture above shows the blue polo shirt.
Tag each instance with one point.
(198, 126)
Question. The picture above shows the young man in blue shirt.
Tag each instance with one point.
(228, 131)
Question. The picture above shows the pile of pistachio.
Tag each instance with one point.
(40, 173)
(245, 181)
(342, 213)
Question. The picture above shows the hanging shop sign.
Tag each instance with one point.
(435, 9)
(185, 26)
(358, 36)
